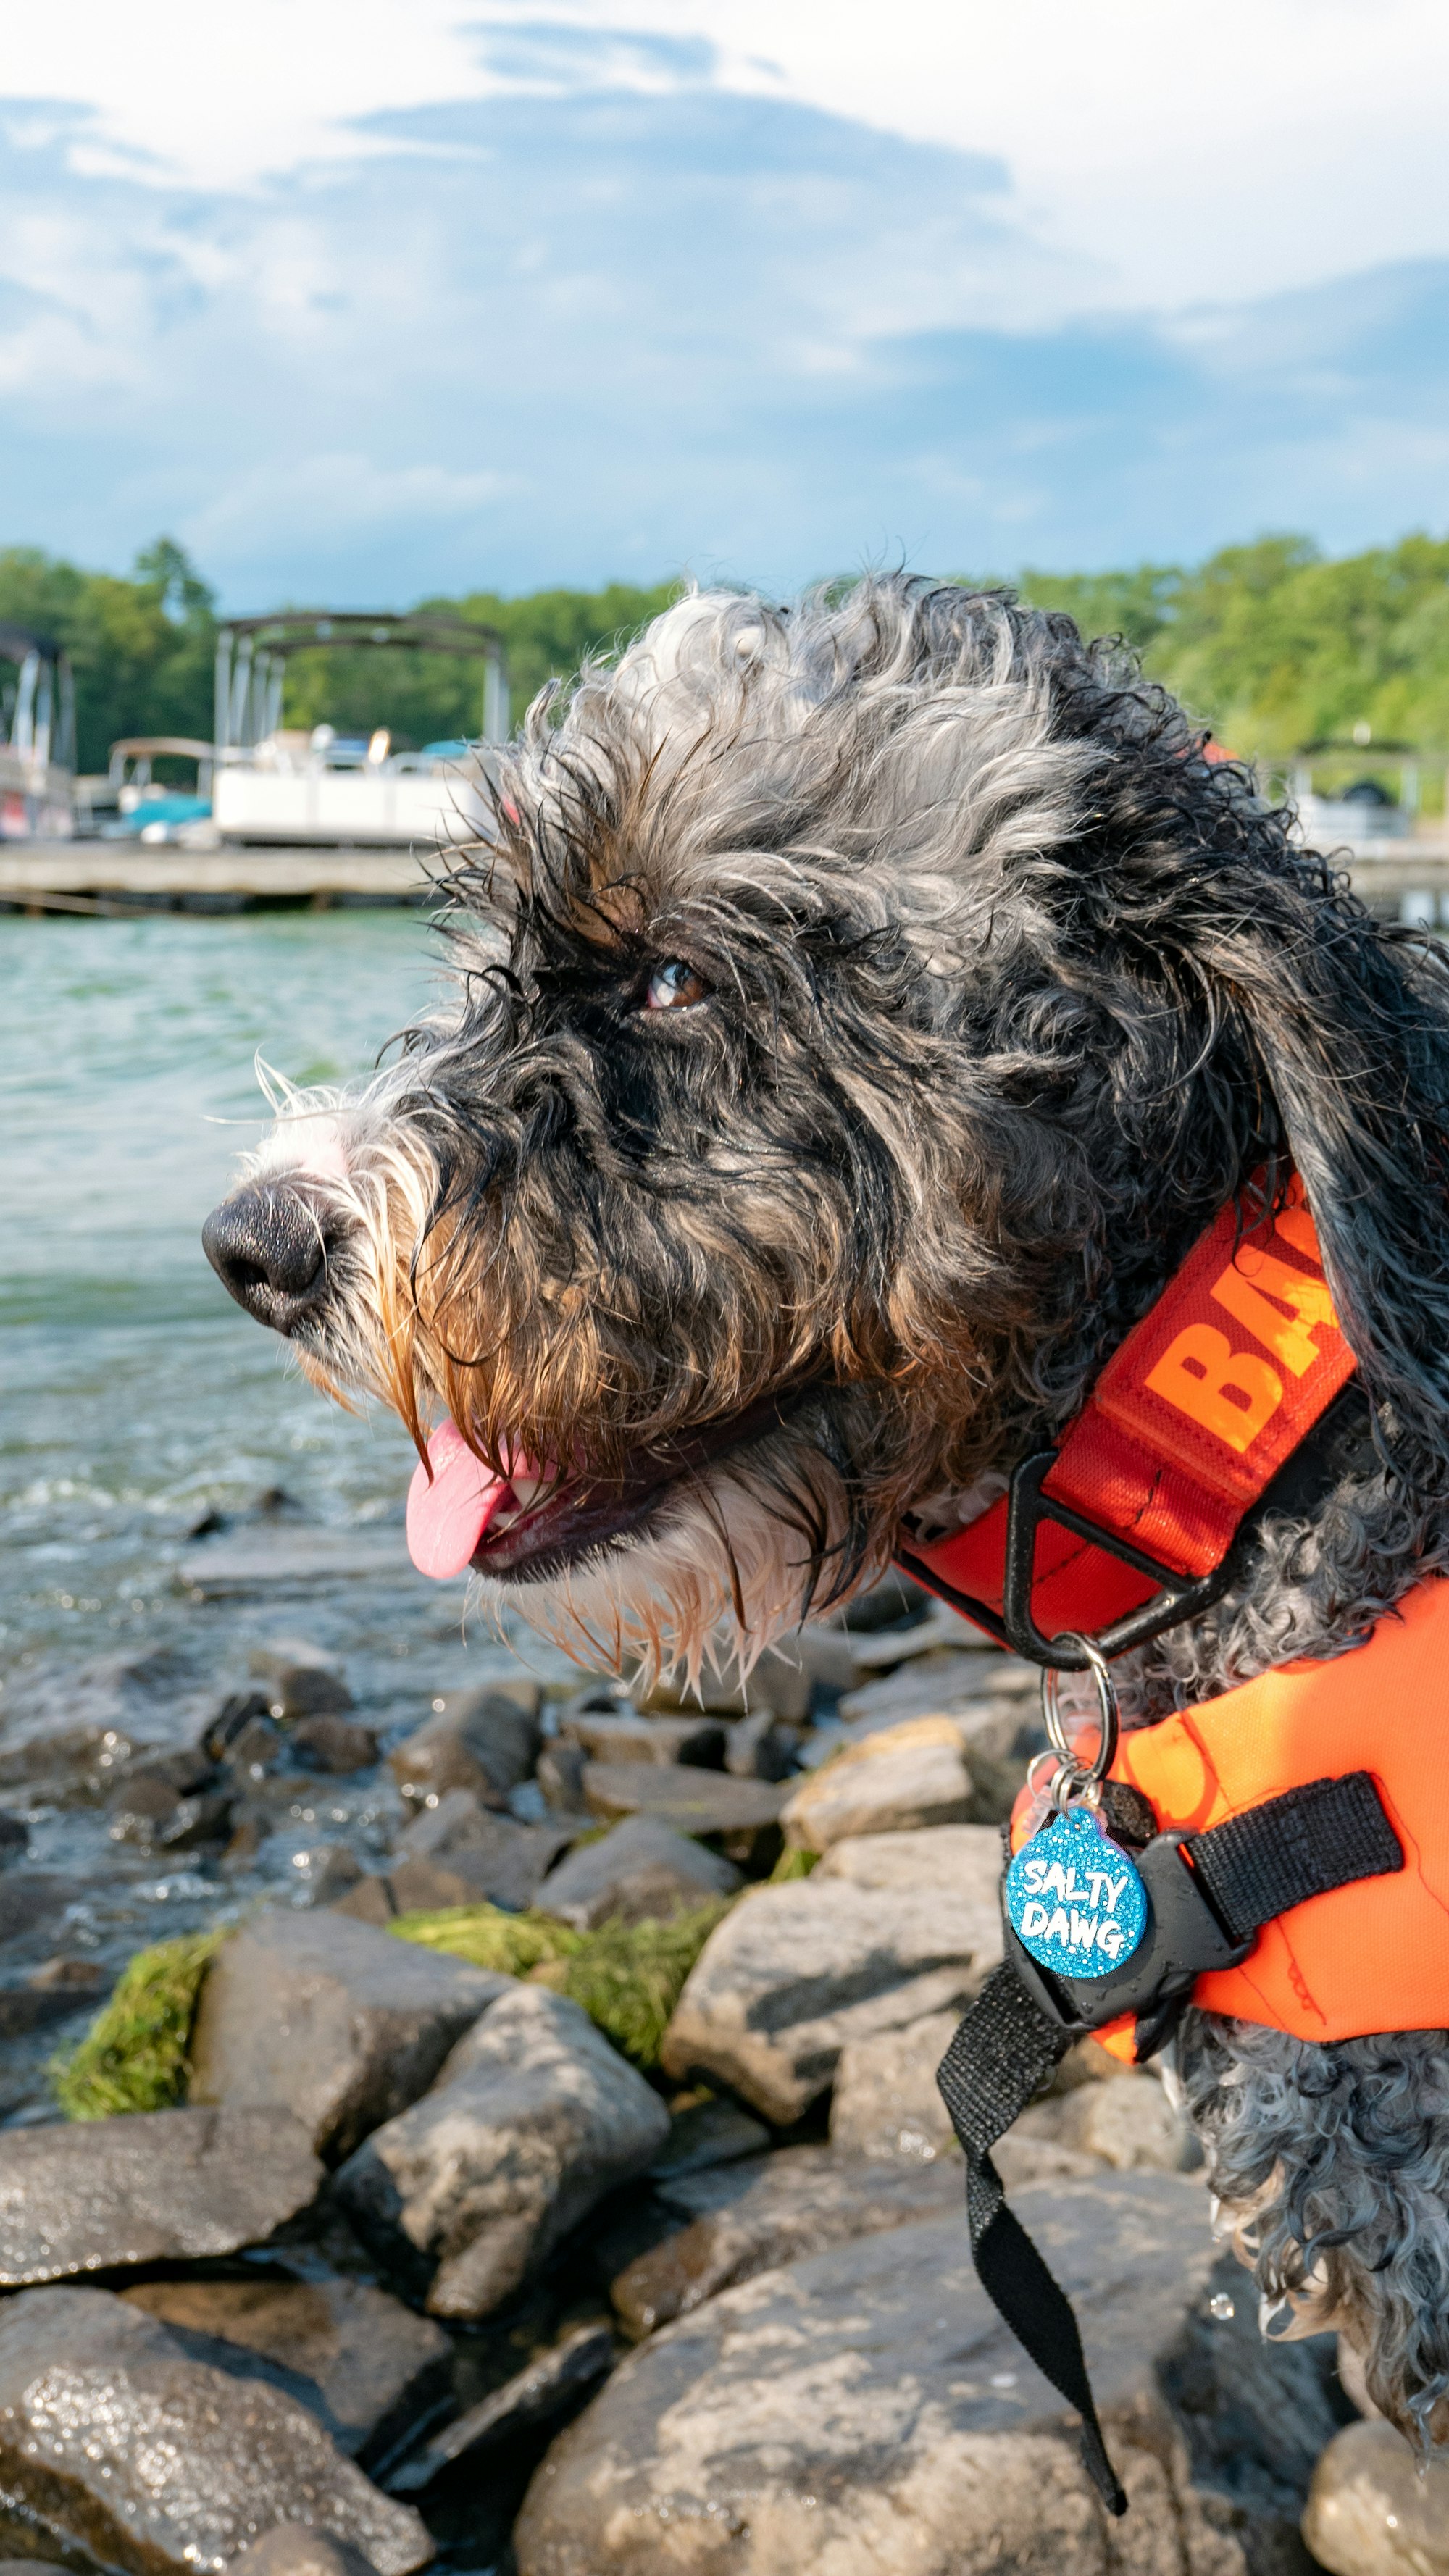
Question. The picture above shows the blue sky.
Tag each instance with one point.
(389, 301)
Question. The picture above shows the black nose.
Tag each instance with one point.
(269, 1247)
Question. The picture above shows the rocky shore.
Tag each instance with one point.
(521, 2149)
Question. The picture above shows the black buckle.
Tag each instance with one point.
(1180, 1596)
(1184, 1940)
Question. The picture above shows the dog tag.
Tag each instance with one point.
(1074, 1898)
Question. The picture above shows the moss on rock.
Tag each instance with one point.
(134, 2056)
(626, 1976)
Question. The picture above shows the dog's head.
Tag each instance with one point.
(858, 1011)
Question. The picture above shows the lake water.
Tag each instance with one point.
(136, 1401)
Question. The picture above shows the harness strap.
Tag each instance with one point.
(1253, 1867)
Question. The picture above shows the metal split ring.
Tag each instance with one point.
(1074, 1778)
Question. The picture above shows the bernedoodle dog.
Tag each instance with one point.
(859, 1012)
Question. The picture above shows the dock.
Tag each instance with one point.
(123, 878)
(1401, 880)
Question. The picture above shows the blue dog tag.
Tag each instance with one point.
(1074, 1898)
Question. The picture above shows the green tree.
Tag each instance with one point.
(141, 649)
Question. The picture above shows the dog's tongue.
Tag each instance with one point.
(447, 1518)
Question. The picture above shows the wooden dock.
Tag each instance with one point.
(122, 878)
(1399, 880)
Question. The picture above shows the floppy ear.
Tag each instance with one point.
(1349, 1022)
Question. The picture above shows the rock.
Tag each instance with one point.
(560, 1778)
(238, 1711)
(915, 1775)
(892, 1601)
(697, 1741)
(865, 2410)
(333, 1744)
(533, 2119)
(32, 2007)
(1128, 2122)
(644, 1870)
(708, 2133)
(294, 2549)
(119, 2445)
(330, 2019)
(158, 2186)
(938, 1687)
(697, 1802)
(1372, 2510)
(149, 1811)
(797, 1971)
(940, 1629)
(361, 2362)
(14, 1838)
(482, 1740)
(301, 1680)
(490, 1859)
(745, 2218)
(962, 1860)
(254, 1750)
(761, 1747)
(550, 2384)
(886, 2101)
(371, 1900)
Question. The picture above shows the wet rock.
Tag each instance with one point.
(295, 2549)
(940, 1629)
(118, 2444)
(533, 2119)
(915, 1775)
(330, 2019)
(483, 1740)
(708, 2133)
(301, 1680)
(333, 1744)
(167, 1803)
(552, 2383)
(865, 2409)
(1372, 2511)
(14, 1838)
(454, 1821)
(745, 2218)
(33, 1906)
(360, 2361)
(85, 1720)
(696, 1802)
(371, 1900)
(797, 1971)
(157, 2186)
(35, 2007)
(886, 2101)
(644, 1870)
(239, 1710)
(893, 1601)
(254, 1750)
(698, 1741)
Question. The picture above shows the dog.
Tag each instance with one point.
(858, 1010)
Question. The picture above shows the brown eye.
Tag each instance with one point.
(674, 987)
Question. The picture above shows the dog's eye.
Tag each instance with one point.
(674, 987)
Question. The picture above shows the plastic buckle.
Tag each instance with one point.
(1179, 1596)
(1184, 1940)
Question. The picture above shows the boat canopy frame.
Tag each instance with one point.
(252, 655)
(41, 726)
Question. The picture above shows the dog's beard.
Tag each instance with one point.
(715, 1578)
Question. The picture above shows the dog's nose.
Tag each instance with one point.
(269, 1247)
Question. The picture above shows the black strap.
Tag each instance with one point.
(1305, 1843)
(1003, 2053)
(1322, 1835)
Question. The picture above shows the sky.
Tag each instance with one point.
(367, 300)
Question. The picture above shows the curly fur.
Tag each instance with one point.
(1010, 992)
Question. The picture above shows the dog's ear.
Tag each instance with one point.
(1349, 1025)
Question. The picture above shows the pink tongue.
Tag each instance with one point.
(447, 1518)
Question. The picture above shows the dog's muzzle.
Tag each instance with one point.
(271, 1247)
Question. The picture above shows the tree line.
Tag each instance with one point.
(1273, 645)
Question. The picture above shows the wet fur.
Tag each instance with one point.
(1012, 991)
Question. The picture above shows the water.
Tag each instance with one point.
(138, 1403)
